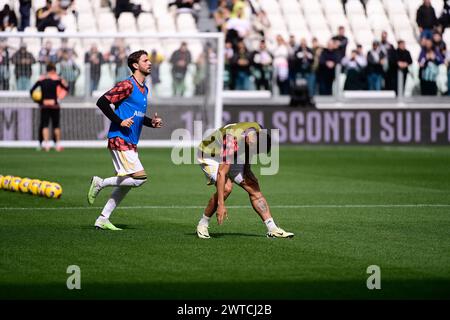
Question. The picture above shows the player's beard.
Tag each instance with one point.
(146, 72)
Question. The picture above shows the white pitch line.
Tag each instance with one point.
(419, 205)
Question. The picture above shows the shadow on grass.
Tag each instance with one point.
(292, 290)
(228, 234)
(121, 226)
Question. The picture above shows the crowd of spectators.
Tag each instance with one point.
(252, 60)
(292, 61)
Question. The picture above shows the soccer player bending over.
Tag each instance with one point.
(129, 100)
(225, 157)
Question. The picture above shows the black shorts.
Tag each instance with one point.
(47, 114)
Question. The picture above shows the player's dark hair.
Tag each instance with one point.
(134, 58)
(50, 67)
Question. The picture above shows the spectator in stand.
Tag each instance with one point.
(237, 28)
(426, 19)
(156, 59)
(292, 48)
(200, 81)
(187, 6)
(326, 71)
(121, 62)
(180, 60)
(261, 22)
(213, 5)
(429, 60)
(4, 66)
(281, 66)
(229, 76)
(8, 19)
(49, 16)
(25, 13)
(375, 62)
(261, 67)
(439, 43)
(444, 19)
(354, 72)
(402, 62)
(341, 41)
(361, 57)
(389, 67)
(385, 45)
(317, 51)
(94, 59)
(447, 63)
(126, 6)
(221, 15)
(240, 5)
(66, 48)
(69, 71)
(304, 60)
(23, 60)
(47, 55)
(240, 66)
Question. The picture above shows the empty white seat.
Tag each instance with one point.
(165, 23)
(106, 21)
(311, 7)
(374, 7)
(354, 7)
(359, 22)
(146, 22)
(364, 36)
(127, 22)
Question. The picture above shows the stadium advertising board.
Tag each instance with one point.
(377, 127)
(296, 125)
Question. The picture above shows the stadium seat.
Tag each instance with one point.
(87, 22)
(311, 7)
(127, 22)
(106, 21)
(185, 23)
(146, 22)
(374, 7)
(290, 7)
(165, 23)
(159, 8)
(332, 6)
(354, 7)
(271, 7)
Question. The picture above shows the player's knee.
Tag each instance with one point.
(228, 189)
(256, 195)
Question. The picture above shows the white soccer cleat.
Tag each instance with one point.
(279, 233)
(105, 224)
(202, 231)
(94, 189)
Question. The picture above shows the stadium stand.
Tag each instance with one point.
(363, 21)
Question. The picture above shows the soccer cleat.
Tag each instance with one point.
(279, 233)
(105, 224)
(94, 189)
(202, 231)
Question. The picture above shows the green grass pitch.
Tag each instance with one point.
(349, 207)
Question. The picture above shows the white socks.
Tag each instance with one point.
(204, 220)
(116, 197)
(122, 181)
(270, 224)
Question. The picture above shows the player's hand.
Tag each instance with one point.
(221, 214)
(127, 122)
(156, 121)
